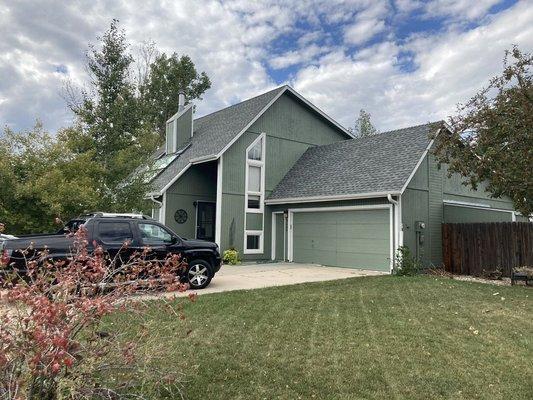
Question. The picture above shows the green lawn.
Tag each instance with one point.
(369, 338)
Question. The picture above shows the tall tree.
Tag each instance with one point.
(168, 76)
(123, 114)
(491, 138)
(363, 126)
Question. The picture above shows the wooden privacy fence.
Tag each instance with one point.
(471, 249)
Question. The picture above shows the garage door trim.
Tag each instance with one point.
(291, 211)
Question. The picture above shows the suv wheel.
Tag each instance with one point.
(199, 274)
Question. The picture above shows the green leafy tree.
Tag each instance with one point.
(491, 137)
(108, 111)
(166, 78)
(363, 125)
(41, 179)
(123, 116)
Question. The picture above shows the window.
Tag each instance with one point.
(256, 152)
(254, 194)
(154, 234)
(254, 242)
(254, 202)
(255, 175)
(114, 232)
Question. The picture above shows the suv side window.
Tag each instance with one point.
(114, 232)
(154, 234)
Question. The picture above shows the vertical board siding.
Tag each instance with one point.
(198, 183)
(474, 249)
(435, 210)
(290, 129)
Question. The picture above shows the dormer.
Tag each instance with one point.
(179, 129)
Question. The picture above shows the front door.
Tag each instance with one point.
(205, 220)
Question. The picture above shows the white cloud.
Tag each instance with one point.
(362, 31)
(233, 42)
(451, 68)
(302, 55)
(369, 21)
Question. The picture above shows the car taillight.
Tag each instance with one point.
(6, 254)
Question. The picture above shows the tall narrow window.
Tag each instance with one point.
(254, 196)
(255, 176)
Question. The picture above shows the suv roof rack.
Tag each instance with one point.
(117, 215)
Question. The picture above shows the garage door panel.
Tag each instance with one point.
(316, 243)
(361, 218)
(364, 261)
(369, 231)
(311, 256)
(379, 246)
(348, 238)
(307, 230)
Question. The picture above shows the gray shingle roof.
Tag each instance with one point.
(212, 133)
(379, 163)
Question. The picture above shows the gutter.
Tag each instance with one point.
(391, 200)
(160, 203)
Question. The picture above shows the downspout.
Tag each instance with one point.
(395, 208)
(159, 203)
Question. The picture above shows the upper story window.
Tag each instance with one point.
(255, 175)
(256, 152)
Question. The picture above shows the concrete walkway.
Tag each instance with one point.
(255, 276)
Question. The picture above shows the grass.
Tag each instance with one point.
(364, 338)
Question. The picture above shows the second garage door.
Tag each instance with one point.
(354, 238)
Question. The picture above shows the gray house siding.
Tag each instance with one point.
(290, 128)
(198, 183)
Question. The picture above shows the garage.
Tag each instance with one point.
(354, 238)
(457, 213)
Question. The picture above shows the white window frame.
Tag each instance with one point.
(261, 194)
(260, 164)
(261, 242)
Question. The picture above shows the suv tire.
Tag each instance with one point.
(199, 274)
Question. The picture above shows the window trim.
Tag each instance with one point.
(261, 165)
(261, 210)
(261, 241)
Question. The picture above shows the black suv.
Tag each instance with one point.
(111, 231)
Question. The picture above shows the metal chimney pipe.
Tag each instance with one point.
(181, 101)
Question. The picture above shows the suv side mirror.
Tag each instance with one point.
(174, 240)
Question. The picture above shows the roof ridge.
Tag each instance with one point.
(243, 101)
(370, 137)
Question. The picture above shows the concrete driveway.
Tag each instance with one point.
(255, 276)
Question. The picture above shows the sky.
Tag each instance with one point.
(406, 62)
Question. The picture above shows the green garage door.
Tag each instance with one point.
(355, 238)
(457, 214)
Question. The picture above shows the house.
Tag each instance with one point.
(278, 179)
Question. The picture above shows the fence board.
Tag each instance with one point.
(472, 249)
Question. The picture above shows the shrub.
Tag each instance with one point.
(231, 256)
(52, 342)
(405, 264)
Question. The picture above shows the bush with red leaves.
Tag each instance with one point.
(51, 344)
